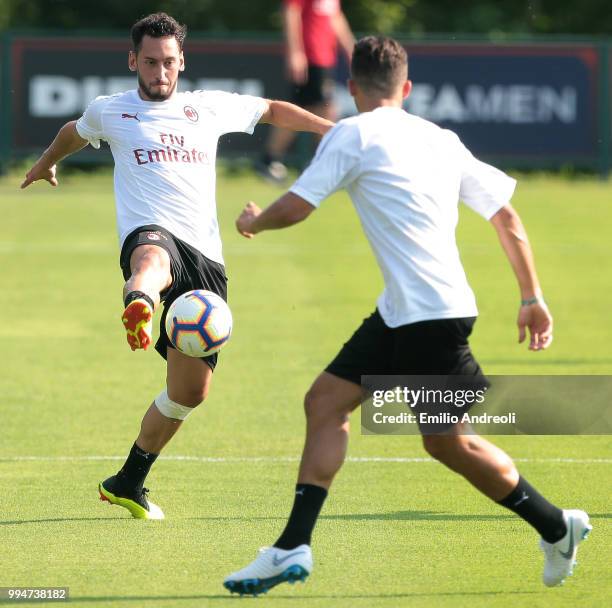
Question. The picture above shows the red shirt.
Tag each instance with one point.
(317, 31)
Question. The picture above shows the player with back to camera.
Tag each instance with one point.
(405, 177)
(164, 146)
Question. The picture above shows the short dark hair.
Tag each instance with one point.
(158, 25)
(379, 64)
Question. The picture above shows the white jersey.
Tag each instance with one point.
(405, 176)
(165, 154)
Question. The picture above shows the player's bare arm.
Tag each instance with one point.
(66, 142)
(289, 116)
(288, 210)
(533, 313)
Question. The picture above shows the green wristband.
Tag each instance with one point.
(534, 300)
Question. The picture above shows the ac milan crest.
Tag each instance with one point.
(191, 113)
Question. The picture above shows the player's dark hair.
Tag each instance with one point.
(379, 64)
(158, 25)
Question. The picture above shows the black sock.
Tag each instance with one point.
(306, 507)
(268, 158)
(529, 504)
(136, 468)
(137, 295)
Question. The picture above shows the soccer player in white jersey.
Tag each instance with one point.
(405, 177)
(164, 146)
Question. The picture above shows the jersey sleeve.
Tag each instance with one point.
(335, 165)
(234, 113)
(484, 188)
(89, 126)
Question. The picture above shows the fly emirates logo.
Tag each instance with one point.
(172, 150)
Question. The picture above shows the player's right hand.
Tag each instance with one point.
(244, 223)
(38, 172)
(538, 320)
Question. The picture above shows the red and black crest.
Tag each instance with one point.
(191, 113)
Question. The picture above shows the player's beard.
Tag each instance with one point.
(155, 96)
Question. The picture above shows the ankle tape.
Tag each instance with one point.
(138, 295)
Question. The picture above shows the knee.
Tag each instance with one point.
(319, 407)
(190, 396)
(445, 447)
(152, 259)
(310, 403)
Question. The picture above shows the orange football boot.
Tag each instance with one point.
(138, 323)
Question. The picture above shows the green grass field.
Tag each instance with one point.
(392, 533)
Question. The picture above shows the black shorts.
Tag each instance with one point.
(427, 348)
(317, 90)
(189, 268)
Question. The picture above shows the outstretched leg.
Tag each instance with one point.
(188, 382)
(492, 471)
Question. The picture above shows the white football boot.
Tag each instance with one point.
(271, 567)
(560, 557)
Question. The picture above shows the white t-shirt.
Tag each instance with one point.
(405, 176)
(165, 154)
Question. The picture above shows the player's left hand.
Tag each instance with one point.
(538, 320)
(244, 223)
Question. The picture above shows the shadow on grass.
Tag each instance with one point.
(58, 520)
(420, 516)
(393, 516)
(302, 598)
(382, 516)
(437, 516)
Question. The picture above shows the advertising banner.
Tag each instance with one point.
(520, 104)
(52, 80)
